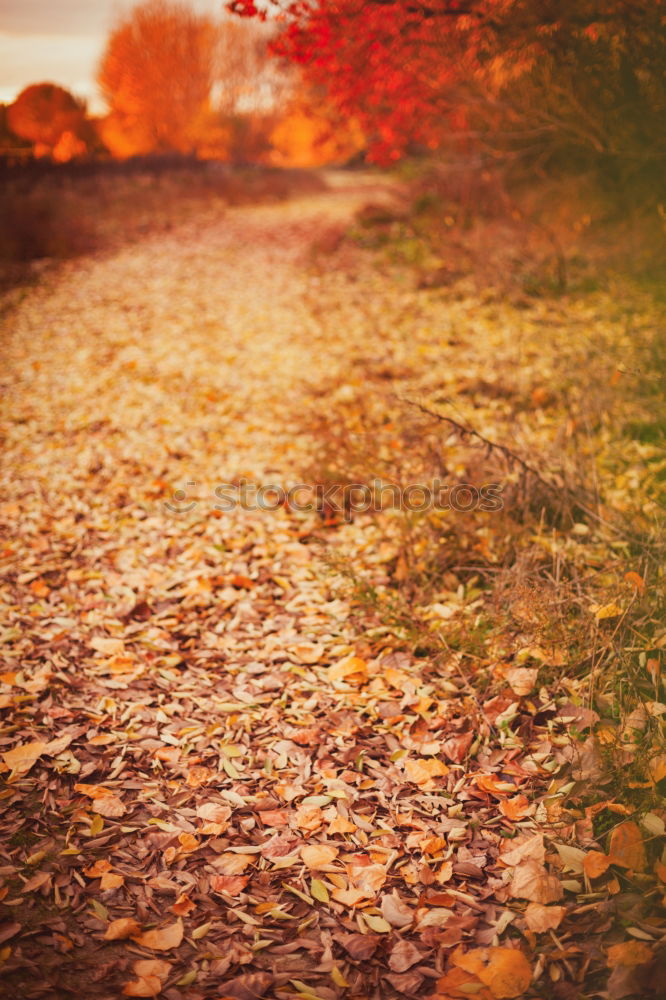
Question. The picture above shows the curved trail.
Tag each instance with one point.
(161, 668)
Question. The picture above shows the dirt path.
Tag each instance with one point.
(163, 672)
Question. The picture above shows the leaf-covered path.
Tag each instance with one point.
(213, 787)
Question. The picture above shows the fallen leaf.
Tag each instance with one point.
(144, 986)
(596, 863)
(626, 846)
(21, 758)
(232, 885)
(404, 955)
(317, 856)
(251, 986)
(122, 928)
(351, 669)
(505, 971)
(540, 918)
(396, 911)
(109, 806)
(521, 680)
(422, 772)
(162, 938)
(532, 881)
(111, 881)
(629, 953)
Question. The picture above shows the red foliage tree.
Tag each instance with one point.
(587, 72)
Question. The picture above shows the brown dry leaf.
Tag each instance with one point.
(368, 878)
(109, 806)
(532, 881)
(423, 771)
(162, 938)
(521, 680)
(540, 918)
(214, 812)
(233, 864)
(122, 928)
(629, 953)
(21, 758)
(404, 955)
(316, 856)
(514, 852)
(626, 846)
(396, 912)
(251, 986)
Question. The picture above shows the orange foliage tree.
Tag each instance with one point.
(156, 76)
(51, 118)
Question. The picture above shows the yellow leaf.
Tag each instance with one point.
(319, 890)
(377, 924)
(607, 611)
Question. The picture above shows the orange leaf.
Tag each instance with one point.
(505, 971)
(162, 938)
(232, 885)
(188, 843)
(123, 928)
(422, 772)
(145, 986)
(232, 864)
(626, 846)
(317, 856)
(596, 863)
(351, 669)
(635, 580)
(629, 953)
(111, 881)
(515, 808)
(100, 868)
(21, 758)
(532, 881)
(183, 905)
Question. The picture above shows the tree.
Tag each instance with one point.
(556, 79)
(43, 113)
(157, 73)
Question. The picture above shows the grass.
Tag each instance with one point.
(491, 349)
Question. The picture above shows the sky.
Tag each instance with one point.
(61, 41)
